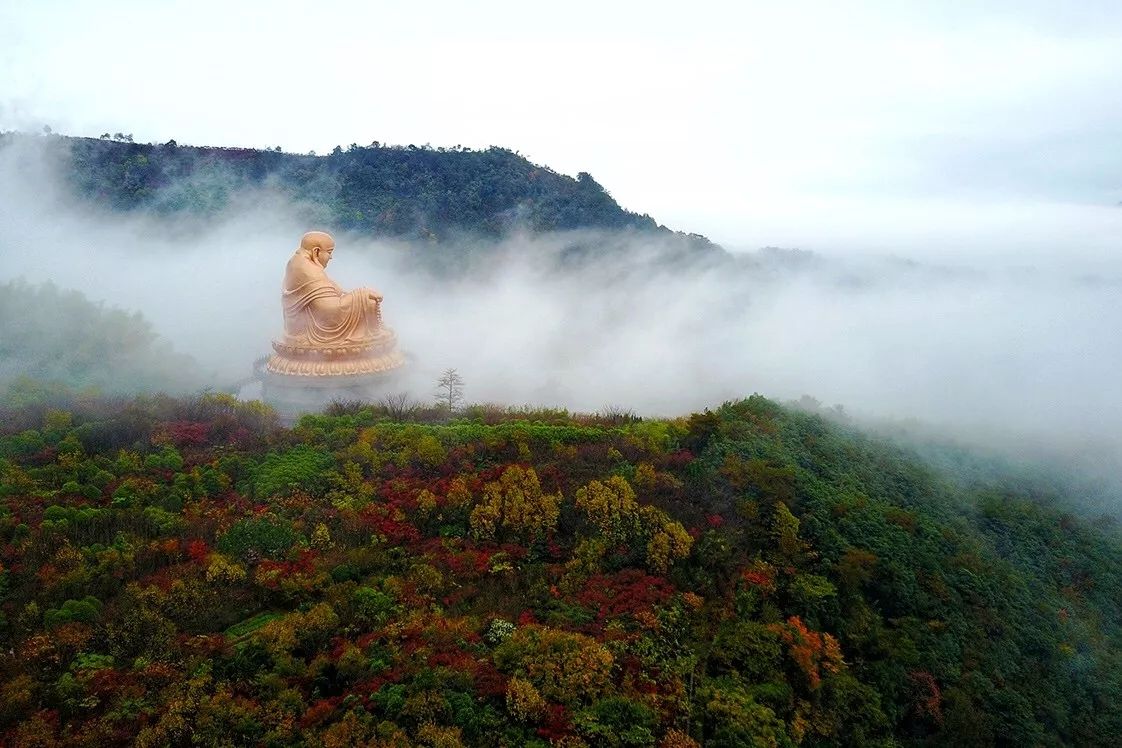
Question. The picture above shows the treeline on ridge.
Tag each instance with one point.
(410, 192)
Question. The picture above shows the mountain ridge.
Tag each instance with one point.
(418, 193)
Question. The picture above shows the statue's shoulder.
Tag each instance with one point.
(300, 266)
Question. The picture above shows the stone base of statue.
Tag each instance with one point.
(300, 378)
(294, 396)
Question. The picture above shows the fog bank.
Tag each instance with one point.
(982, 349)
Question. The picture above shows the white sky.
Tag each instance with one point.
(928, 128)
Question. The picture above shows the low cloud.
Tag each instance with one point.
(1015, 355)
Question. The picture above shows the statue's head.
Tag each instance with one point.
(318, 245)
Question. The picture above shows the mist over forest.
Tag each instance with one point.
(760, 383)
(638, 317)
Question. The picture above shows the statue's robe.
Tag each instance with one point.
(318, 313)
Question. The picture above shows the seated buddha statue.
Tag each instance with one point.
(329, 331)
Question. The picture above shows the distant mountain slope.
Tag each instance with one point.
(387, 191)
(50, 336)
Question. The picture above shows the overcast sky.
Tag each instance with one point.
(939, 128)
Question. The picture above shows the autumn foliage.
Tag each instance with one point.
(187, 572)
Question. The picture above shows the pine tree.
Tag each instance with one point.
(450, 389)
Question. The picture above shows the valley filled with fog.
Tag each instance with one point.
(1018, 354)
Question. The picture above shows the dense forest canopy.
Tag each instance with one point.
(408, 192)
(181, 572)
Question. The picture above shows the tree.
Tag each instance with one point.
(399, 406)
(610, 507)
(515, 504)
(450, 389)
(563, 666)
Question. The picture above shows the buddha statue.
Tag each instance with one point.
(329, 332)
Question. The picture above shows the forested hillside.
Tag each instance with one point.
(410, 192)
(50, 337)
(182, 572)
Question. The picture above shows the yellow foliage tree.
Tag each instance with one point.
(351, 730)
(677, 739)
(309, 631)
(430, 451)
(221, 570)
(668, 541)
(565, 667)
(611, 507)
(523, 701)
(646, 478)
(321, 538)
(786, 529)
(459, 495)
(279, 636)
(175, 725)
(426, 501)
(586, 561)
(435, 736)
(515, 505)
